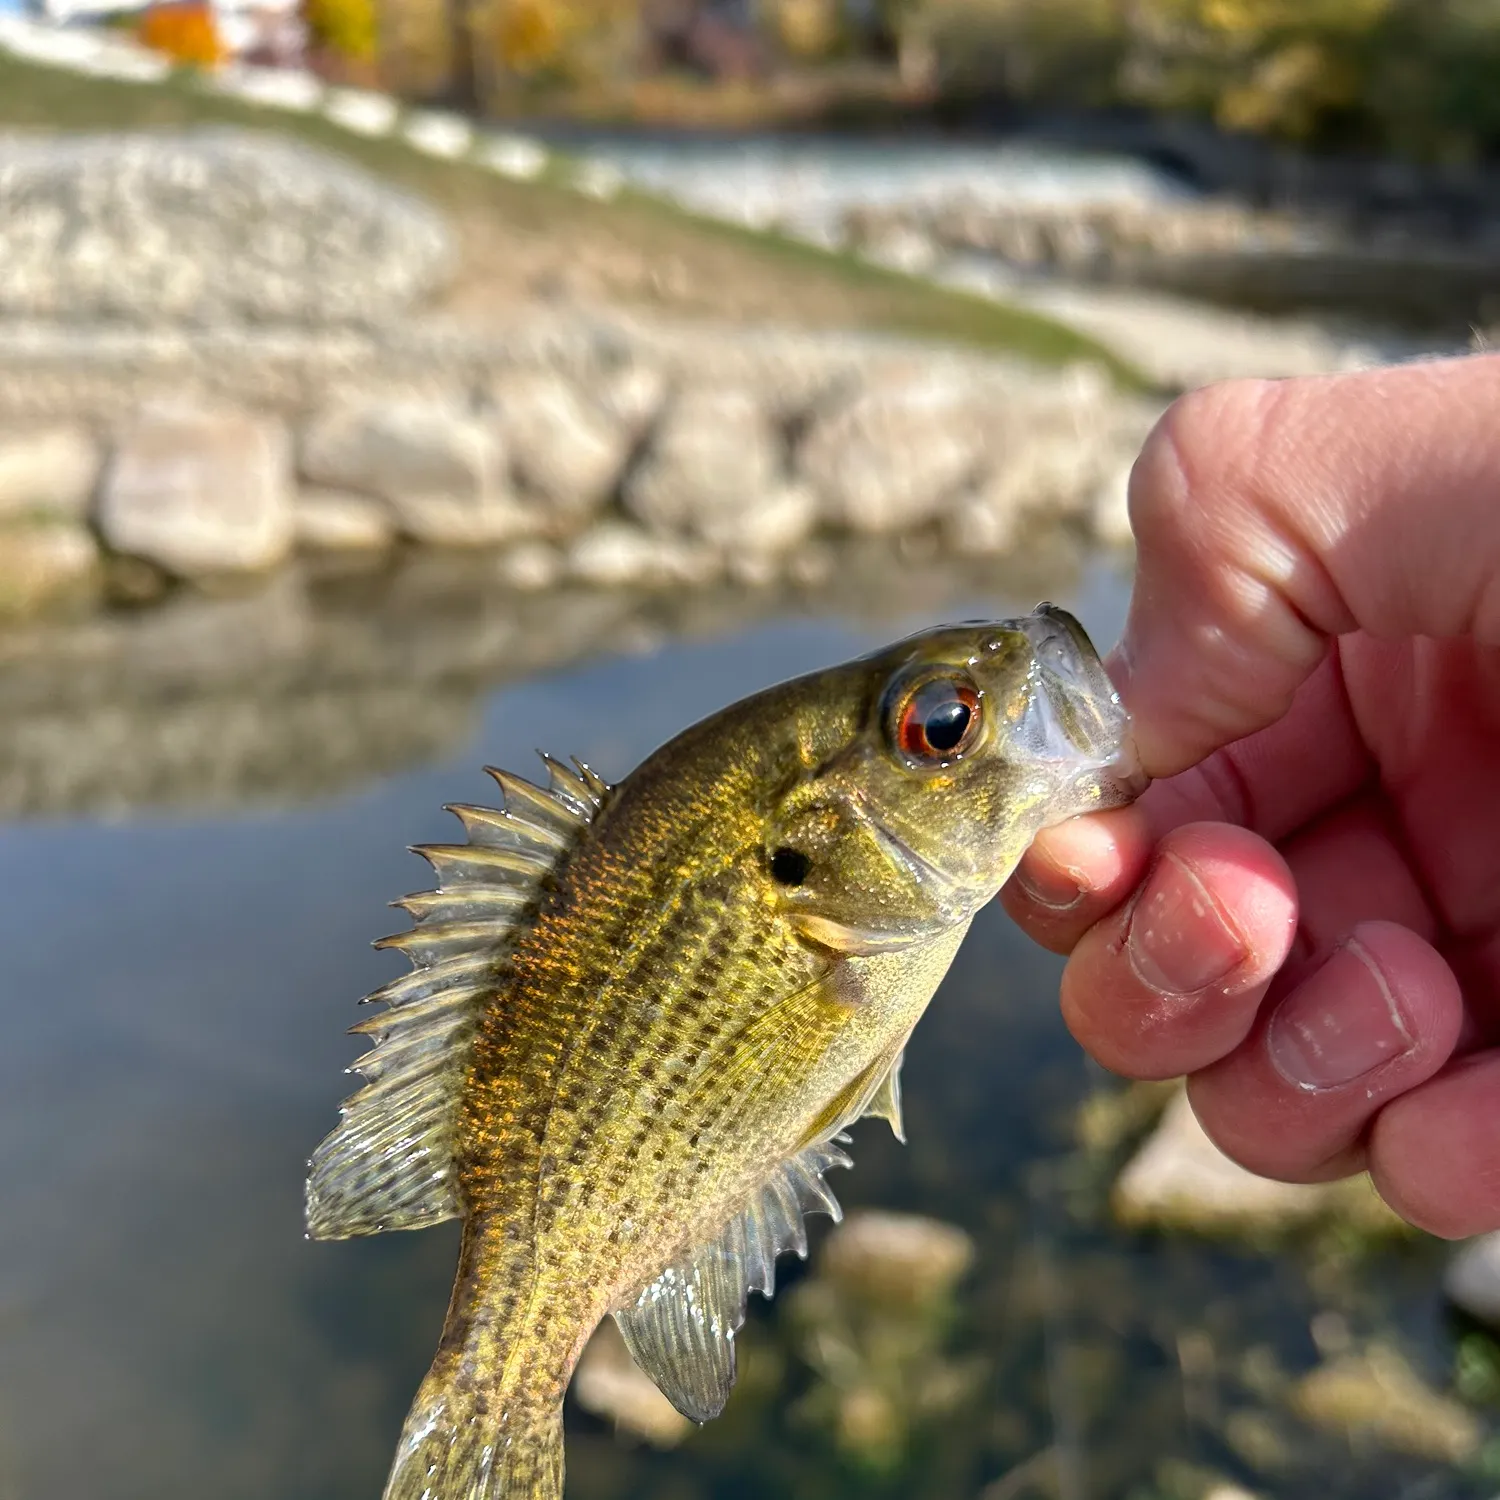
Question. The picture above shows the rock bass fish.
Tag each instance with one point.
(641, 1017)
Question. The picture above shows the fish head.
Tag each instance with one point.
(968, 740)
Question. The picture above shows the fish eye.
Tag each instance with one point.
(937, 720)
(789, 866)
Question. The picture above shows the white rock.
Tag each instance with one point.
(1180, 1179)
(199, 490)
(562, 447)
(440, 472)
(895, 456)
(436, 134)
(981, 525)
(769, 526)
(362, 112)
(633, 395)
(598, 179)
(1472, 1280)
(905, 250)
(532, 565)
(272, 88)
(715, 453)
(1111, 509)
(48, 469)
(513, 156)
(615, 555)
(338, 521)
(41, 564)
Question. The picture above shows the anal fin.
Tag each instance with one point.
(680, 1329)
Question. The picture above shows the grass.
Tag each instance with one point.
(521, 240)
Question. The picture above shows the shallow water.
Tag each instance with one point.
(177, 984)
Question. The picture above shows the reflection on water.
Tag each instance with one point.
(177, 985)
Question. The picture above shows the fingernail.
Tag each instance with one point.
(1049, 885)
(1179, 941)
(1340, 1023)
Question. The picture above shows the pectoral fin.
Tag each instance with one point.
(681, 1327)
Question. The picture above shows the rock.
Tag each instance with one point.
(562, 447)
(207, 226)
(532, 565)
(440, 472)
(982, 524)
(614, 554)
(609, 1383)
(1472, 1280)
(1180, 1180)
(714, 453)
(633, 395)
(199, 490)
(1377, 1395)
(47, 470)
(895, 456)
(891, 1258)
(337, 521)
(1109, 516)
(44, 564)
(771, 525)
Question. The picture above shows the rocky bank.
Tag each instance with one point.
(213, 353)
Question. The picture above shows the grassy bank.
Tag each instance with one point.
(527, 240)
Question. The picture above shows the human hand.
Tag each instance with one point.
(1303, 913)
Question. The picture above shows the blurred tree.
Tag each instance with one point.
(184, 31)
(344, 27)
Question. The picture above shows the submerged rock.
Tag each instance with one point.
(610, 1384)
(1376, 1395)
(1180, 1180)
(199, 490)
(893, 1258)
(1472, 1280)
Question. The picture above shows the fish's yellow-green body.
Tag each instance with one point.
(642, 1016)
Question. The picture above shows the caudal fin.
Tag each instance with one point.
(460, 1443)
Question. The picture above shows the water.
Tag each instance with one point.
(178, 973)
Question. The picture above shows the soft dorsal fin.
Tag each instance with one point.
(389, 1162)
(681, 1327)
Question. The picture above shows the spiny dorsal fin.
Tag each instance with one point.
(389, 1162)
(681, 1327)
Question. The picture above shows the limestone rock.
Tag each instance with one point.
(42, 565)
(1472, 1280)
(1376, 1394)
(633, 394)
(1180, 1180)
(207, 226)
(614, 554)
(48, 470)
(772, 524)
(894, 456)
(440, 472)
(199, 490)
(337, 521)
(562, 447)
(715, 453)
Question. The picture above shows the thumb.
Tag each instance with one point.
(1271, 517)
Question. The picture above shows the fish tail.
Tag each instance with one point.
(486, 1423)
(463, 1444)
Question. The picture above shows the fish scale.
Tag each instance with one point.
(642, 1017)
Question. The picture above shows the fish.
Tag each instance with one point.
(641, 1018)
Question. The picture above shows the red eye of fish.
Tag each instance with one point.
(939, 720)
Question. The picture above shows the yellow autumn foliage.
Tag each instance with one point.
(347, 27)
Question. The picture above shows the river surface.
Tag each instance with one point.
(177, 982)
